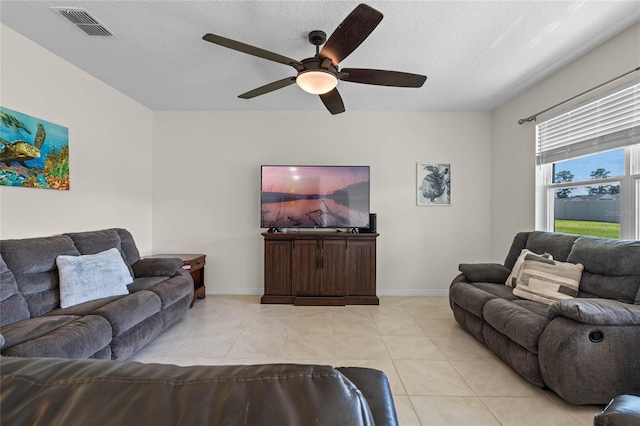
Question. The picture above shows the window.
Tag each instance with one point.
(589, 168)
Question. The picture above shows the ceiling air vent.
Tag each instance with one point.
(82, 19)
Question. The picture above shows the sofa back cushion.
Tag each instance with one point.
(518, 244)
(129, 248)
(612, 267)
(33, 264)
(13, 307)
(556, 244)
(92, 242)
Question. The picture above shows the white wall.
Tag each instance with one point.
(110, 141)
(207, 184)
(191, 180)
(513, 148)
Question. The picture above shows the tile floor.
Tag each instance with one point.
(439, 374)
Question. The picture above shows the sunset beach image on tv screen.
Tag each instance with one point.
(315, 196)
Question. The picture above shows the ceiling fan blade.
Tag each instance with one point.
(333, 101)
(351, 32)
(251, 50)
(268, 88)
(383, 77)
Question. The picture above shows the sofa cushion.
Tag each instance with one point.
(607, 257)
(541, 309)
(128, 246)
(33, 263)
(170, 290)
(13, 307)
(498, 290)
(514, 276)
(546, 280)
(606, 287)
(473, 296)
(83, 309)
(557, 244)
(92, 242)
(519, 242)
(518, 323)
(122, 312)
(612, 267)
(92, 276)
(63, 336)
(23, 331)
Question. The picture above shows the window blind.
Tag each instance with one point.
(608, 123)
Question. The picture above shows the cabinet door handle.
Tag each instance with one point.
(317, 262)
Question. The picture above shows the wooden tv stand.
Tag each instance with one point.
(320, 268)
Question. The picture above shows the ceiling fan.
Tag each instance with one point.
(319, 74)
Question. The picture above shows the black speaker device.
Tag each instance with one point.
(372, 225)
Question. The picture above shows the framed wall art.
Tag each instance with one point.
(433, 184)
(34, 153)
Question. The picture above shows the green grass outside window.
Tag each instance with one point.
(585, 227)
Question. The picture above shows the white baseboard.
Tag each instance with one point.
(380, 292)
(239, 291)
(413, 292)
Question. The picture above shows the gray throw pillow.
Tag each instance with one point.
(93, 276)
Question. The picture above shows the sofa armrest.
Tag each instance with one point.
(375, 388)
(596, 311)
(157, 267)
(485, 272)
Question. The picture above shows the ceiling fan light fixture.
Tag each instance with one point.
(317, 82)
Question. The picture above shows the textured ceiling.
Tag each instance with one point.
(476, 54)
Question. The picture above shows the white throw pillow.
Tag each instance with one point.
(517, 267)
(546, 281)
(92, 276)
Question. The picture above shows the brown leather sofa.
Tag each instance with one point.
(49, 391)
(623, 410)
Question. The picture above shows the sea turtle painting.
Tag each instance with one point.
(28, 160)
(10, 121)
(436, 184)
(20, 151)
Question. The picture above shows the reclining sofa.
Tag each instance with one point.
(584, 345)
(33, 323)
(52, 392)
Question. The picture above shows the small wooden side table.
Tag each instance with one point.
(194, 263)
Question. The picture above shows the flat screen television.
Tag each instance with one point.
(314, 197)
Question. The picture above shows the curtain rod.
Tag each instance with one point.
(534, 116)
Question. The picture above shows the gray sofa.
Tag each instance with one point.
(584, 348)
(32, 323)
